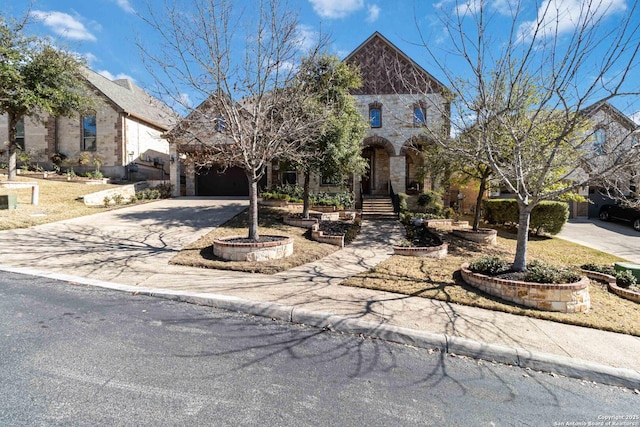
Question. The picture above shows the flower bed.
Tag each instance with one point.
(239, 248)
(485, 236)
(630, 294)
(563, 297)
(421, 242)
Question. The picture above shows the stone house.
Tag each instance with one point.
(400, 99)
(123, 129)
(611, 127)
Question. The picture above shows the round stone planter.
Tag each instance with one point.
(485, 236)
(437, 252)
(565, 298)
(236, 249)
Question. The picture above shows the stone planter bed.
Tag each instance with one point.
(485, 236)
(422, 243)
(299, 222)
(446, 224)
(239, 248)
(565, 298)
(437, 252)
(629, 294)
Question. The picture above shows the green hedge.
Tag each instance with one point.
(546, 216)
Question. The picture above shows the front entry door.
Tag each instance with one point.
(367, 179)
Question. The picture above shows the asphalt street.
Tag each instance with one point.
(74, 355)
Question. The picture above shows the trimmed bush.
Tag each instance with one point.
(402, 202)
(490, 265)
(625, 279)
(540, 272)
(547, 216)
(431, 202)
(604, 269)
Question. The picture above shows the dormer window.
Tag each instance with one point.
(375, 115)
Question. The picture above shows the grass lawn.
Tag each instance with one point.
(58, 200)
(440, 280)
(200, 252)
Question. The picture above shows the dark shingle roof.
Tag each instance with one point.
(132, 100)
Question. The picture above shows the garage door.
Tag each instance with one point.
(231, 182)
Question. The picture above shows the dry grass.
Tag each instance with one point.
(200, 252)
(58, 200)
(440, 279)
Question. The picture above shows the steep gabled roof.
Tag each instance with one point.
(387, 70)
(132, 100)
(619, 116)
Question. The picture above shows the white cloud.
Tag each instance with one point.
(307, 37)
(63, 25)
(374, 13)
(564, 16)
(636, 117)
(90, 58)
(333, 9)
(119, 76)
(125, 5)
(185, 100)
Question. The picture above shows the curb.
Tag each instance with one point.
(539, 361)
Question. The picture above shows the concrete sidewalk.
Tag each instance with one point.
(128, 249)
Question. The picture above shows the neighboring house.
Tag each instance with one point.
(400, 99)
(611, 128)
(123, 129)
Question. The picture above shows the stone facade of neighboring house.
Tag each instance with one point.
(401, 100)
(123, 129)
(611, 127)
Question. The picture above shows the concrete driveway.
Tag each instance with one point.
(125, 245)
(618, 239)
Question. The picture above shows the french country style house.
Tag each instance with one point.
(123, 130)
(400, 100)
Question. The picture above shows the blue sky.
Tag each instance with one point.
(104, 31)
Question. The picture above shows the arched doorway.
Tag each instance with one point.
(376, 181)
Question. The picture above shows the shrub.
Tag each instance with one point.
(546, 216)
(165, 190)
(625, 278)
(431, 202)
(490, 265)
(604, 269)
(106, 201)
(449, 213)
(408, 217)
(118, 198)
(402, 202)
(539, 272)
(549, 217)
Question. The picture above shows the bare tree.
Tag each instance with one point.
(242, 63)
(533, 80)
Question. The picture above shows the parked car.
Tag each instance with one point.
(621, 211)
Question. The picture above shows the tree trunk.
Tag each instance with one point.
(305, 196)
(13, 155)
(253, 207)
(520, 261)
(476, 215)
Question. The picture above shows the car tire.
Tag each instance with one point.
(636, 224)
(604, 216)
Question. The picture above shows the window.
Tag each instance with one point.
(220, 123)
(375, 115)
(20, 134)
(289, 177)
(599, 139)
(88, 133)
(419, 116)
(331, 180)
